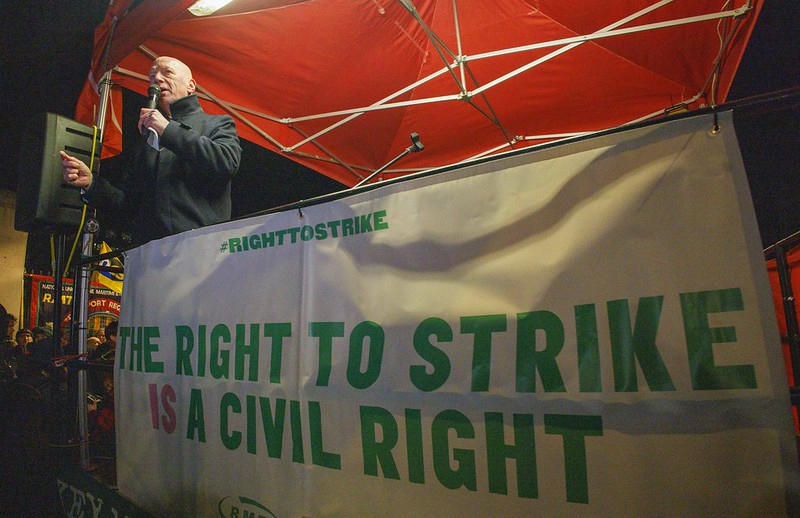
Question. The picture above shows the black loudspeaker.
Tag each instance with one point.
(44, 201)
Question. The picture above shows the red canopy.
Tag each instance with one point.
(340, 85)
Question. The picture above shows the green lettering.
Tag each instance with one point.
(298, 454)
(318, 454)
(220, 358)
(366, 224)
(123, 334)
(378, 217)
(639, 344)
(196, 428)
(137, 342)
(589, 377)
(701, 337)
(464, 474)
(273, 425)
(325, 331)
(523, 451)
(184, 346)
(414, 448)
(201, 350)
(427, 351)
(378, 452)
(574, 429)
(250, 402)
(230, 401)
(334, 228)
(234, 245)
(348, 228)
(482, 327)
(246, 351)
(279, 234)
(320, 232)
(529, 360)
(277, 332)
(150, 365)
(374, 334)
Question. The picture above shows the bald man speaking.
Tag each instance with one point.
(182, 180)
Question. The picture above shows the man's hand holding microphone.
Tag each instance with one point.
(77, 173)
(149, 116)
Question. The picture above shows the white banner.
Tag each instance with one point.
(582, 331)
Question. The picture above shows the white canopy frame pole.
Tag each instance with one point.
(609, 31)
(601, 34)
(463, 68)
(82, 287)
(460, 50)
(571, 42)
(461, 61)
(383, 104)
(237, 111)
(548, 57)
(605, 31)
(438, 44)
(216, 100)
(722, 15)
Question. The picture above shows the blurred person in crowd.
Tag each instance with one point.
(15, 351)
(106, 349)
(23, 339)
(7, 346)
(66, 342)
(43, 349)
(7, 325)
(91, 344)
(103, 357)
(42, 364)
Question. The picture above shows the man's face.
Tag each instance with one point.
(12, 323)
(174, 78)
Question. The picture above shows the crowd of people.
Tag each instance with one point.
(177, 179)
(39, 406)
(24, 349)
(34, 348)
(34, 359)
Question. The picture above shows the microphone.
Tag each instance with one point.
(153, 93)
(415, 147)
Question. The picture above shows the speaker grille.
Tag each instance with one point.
(44, 201)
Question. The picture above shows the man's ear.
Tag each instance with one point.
(192, 85)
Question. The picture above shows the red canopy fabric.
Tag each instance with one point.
(340, 85)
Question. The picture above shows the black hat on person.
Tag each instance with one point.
(43, 330)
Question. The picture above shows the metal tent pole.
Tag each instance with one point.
(790, 314)
(82, 287)
(415, 147)
(57, 411)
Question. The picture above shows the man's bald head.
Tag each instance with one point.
(174, 78)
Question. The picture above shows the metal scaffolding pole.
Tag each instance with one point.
(82, 288)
